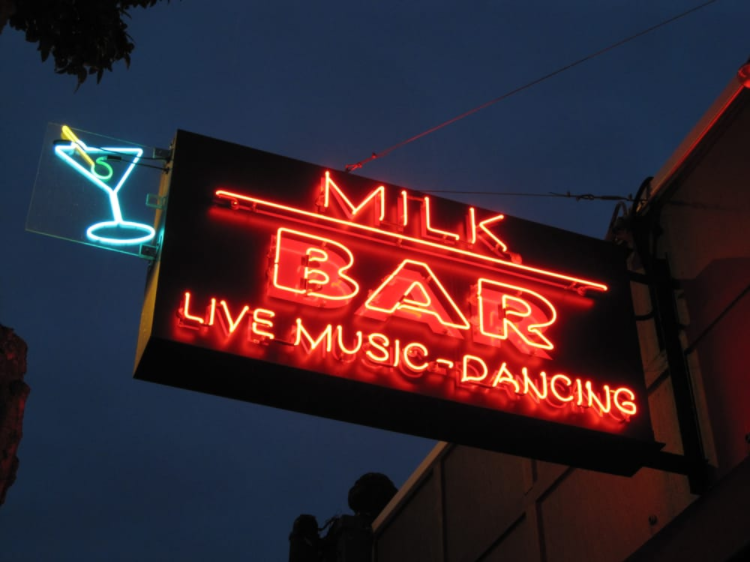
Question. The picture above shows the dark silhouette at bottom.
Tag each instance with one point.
(349, 537)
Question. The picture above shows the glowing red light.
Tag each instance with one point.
(255, 204)
(317, 261)
(509, 312)
(322, 280)
(413, 291)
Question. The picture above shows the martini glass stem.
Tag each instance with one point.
(114, 202)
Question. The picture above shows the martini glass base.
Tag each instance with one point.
(123, 233)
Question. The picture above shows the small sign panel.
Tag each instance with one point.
(296, 286)
(94, 190)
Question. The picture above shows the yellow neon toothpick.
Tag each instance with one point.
(79, 146)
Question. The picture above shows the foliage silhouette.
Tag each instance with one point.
(84, 37)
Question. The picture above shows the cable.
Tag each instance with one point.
(569, 195)
(117, 158)
(142, 165)
(165, 159)
(385, 152)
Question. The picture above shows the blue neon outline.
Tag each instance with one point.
(137, 152)
(112, 193)
(120, 241)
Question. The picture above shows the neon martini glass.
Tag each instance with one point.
(91, 162)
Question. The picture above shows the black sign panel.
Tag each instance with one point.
(287, 284)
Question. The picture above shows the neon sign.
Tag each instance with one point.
(95, 164)
(299, 287)
(375, 350)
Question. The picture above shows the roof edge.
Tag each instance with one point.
(410, 486)
(739, 82)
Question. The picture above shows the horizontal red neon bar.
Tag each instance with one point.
(566, 281)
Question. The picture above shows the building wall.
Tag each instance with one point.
(706, 220)
(476, 505)
(466, 504)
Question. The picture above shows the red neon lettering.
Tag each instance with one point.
(309, 343)
(184, 311)
(627, 407)
(315, 256)
(618, 403)
(603, 408)
(253, 204)
(413, 291)
(504, 376)
(528, 384)
(498, 246)
(521, 316)
(378, 194)
(212, 312)
(415, 349)
(403, 209)
(342, 347)
(579, 392)
(469, 372)
(311, 269)
(553, 387)
(471, 226)
(557, 391)
(259, 325)
(261, 317)
(266, 322)
(233, 323)
(428, 229)
(381, 347)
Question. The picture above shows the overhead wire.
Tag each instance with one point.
(385, 152)
(568, 195)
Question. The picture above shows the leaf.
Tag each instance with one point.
(45, 49)
(82, 74)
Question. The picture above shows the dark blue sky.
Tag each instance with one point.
(118, 469)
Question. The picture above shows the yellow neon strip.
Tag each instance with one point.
(71, 136)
